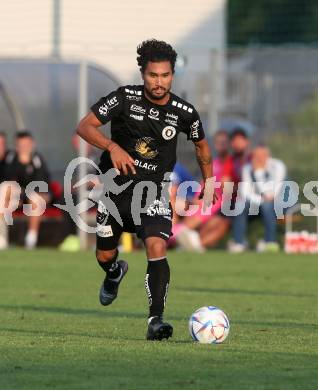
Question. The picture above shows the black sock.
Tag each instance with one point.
(112, 268)
(157, 283)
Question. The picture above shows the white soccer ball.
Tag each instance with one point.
(209, 325)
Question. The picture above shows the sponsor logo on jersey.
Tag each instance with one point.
(195, 130)
(102, 214)
(171, 122)
(133, 92)
(136, 108)
(153, 114)
(113, 102)
(183, 106)
(103, 110)
(148, 290)
(109, 105)
(133, 97)
(143, 148)
(172, 119)
(145, 165)
(137, 117)
(172, 116)
(104, 231)
(158, 208)
(168, 132)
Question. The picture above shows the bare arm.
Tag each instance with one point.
(88, 129)
(204, 158)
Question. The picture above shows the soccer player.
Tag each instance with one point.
(145, 123)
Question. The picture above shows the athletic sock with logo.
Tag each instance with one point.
(157, 283)
(112, 268)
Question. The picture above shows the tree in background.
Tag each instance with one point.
(272, 22)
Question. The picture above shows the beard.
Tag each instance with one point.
(157, 96)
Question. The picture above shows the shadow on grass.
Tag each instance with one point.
(244, 292)
(41, 332)
(109, 314)
(100, 335)
(78, 311)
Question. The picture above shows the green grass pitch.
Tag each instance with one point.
(54, 333)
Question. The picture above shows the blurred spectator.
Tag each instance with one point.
(240, 144)
(25, 165)
(71, 241)
(180, 175)
(262, 178)
(3, 154)
(200, 231)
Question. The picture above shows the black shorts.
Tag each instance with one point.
(156, 221)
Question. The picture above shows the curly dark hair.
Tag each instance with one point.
(155, 51)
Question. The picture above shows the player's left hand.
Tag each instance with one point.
(208, 193)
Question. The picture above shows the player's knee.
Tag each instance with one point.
(156, 247)
(105, 255)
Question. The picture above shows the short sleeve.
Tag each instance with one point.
(108, 107)
(194, 129)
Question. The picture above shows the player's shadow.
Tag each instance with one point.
(244, 292)
(63, 336)
(72, 311)
(81, 311)
(49, 333)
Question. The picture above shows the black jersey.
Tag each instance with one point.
(147, 131)
(2, 168)
(24, 174)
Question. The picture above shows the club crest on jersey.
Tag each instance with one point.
(143, 148)
(168, 132)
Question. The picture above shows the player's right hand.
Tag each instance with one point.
(121, 159)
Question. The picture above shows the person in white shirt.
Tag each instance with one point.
(262, 181)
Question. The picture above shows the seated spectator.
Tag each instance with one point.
(199, 231)
(3, 154)
(240, 145)
(262, 179)
(180, 175)
(25, 165)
